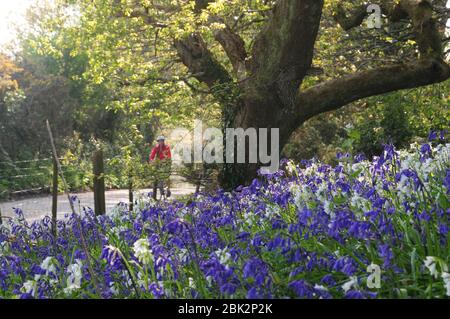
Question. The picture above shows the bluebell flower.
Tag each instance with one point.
(447, 180)
(112, 256)
(254, 293)
(322, 292)
(432, 136)
(328, 280)
(74, 199)
(341, 156)
(156, 290)
(444, 231)
(301, 288)
(345, 265)
(175, 226)
(354, 294)
(360, 157)
(426, 151)
(228, 288)
(256, 269)
(385, 252)
(232, 251)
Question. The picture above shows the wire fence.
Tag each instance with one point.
(25, 176)
(30, 177)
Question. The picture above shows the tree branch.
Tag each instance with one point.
(234, 47)
(205, 68)
(139, 11)
(231, 42)
(201, 5)
(420, 12)
(200, 61)
(351, 21)
(430, 68)
(424, 25)
(193, 50)
(331, 95)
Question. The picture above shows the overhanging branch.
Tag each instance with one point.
(331, 95)
(205, 68)
(352, 20)
(419, 12)
(200, 61)
(234, 47)
(430, 68)
(231, 42)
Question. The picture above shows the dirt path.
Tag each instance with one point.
(39, 207)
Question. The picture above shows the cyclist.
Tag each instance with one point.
(161, 157)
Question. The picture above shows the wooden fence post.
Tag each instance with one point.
(54, 197)
(66, 190)
(130, 194)
(99, 183)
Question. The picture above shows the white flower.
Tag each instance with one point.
(321, 192)
(353, 282)
(403, 186)
(209, 280)
(183, 255)
(49, 265)
(118, 229)
(224, 256)
(328, 208)
(192, 283)
(320, 287)
(167, 291)
(142, 251)
(290, 168)
(301, 195)
(430, 263)
(113, 287)
(75, 274)
(271, 211)
(348, 126)
(183, 212)
(446, 278)
(249, 218)
(112, 253)
(141, 279)
(4, 248)
(359, 203)
(29, 287)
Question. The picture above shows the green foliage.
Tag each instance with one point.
(363, 127)
(401, 118)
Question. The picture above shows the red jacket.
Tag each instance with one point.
(162, 152)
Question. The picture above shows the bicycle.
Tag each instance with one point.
(161, 171)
